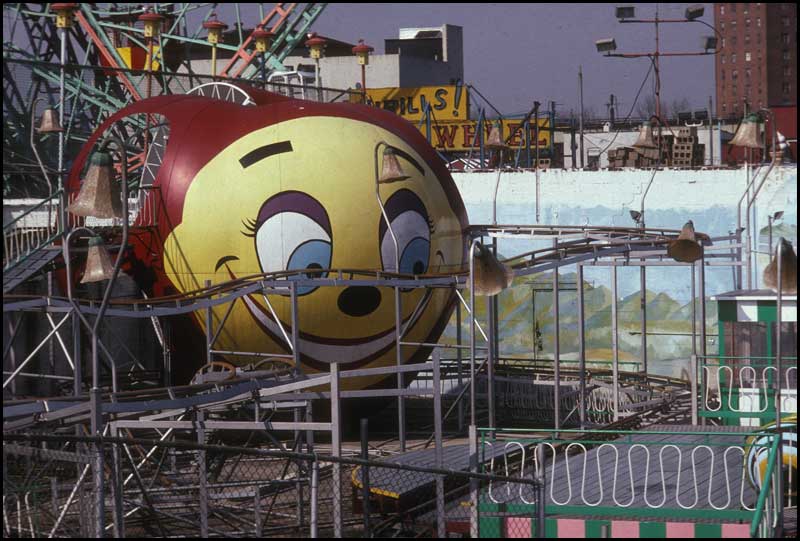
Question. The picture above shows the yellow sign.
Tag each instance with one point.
(446, 102)
(462, 135)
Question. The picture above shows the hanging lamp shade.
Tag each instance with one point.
(495, 141)
(685, 248)
(788, 269)
(645, 139)
(49, 122)
(391, 170)
(98, 262)
(748, 134)
(362, 51)
(263, 40)
(215, 29)
(491, 276)
(98, 196)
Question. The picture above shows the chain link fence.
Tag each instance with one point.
(175, 487)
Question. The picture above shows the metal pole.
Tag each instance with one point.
(336, 451)
(614, 342)
(472, 332)
(556, 351)
(693, 268)
(459, 366)
(214, 61)
(314, 498)
(61, 102)
(439, 454)
(581, 346)
(201, 473)
(769, 227)
(474, 487)
(541, 500)
(778, 376)
(580, 79)
(316, 77)
(119, 515)
(702, 296)
(95, 395)
(693, 381)
(643, 308)
(365, 486)
(257, 513)
(490, 360)
(297, 412)
(209, 330)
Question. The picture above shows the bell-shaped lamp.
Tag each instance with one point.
(391, 170)
(495, 141)
(685, 248)
(98, 262)
(645, 139)
(491, 276)
(49, 122)
(98, 196)
(748, 134)
(788, 269)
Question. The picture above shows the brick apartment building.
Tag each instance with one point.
(757, 63)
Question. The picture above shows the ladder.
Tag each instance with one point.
(289, 23)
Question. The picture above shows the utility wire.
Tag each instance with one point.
(633, 105)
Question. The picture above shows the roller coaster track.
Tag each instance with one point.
(587, 243)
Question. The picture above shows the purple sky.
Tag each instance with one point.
(517, 53)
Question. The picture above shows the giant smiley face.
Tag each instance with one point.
(290, 185)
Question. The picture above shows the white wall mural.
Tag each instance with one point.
(708, 197)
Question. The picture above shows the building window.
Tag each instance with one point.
(735, 74)
(785, 55)
(722, 75)
(746, 7)
(733, 7)
(733, 26)
(724, 107)
(733, 58)
(758, 22)
(734, 40)
(722, 10)
(747, 39)
(747, 73)
(747, 23)
(722, 26)
(747, 56)
(787, 72)
(785, 88)
(785, 38)
(722, 59)
(785, 21)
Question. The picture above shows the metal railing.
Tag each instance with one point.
(767, 514)
(173, 487)
(33, 229)
(744, 387)
(635, 473)
(143, 210)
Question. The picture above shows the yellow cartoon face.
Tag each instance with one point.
(301, 194)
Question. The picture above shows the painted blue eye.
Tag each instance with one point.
(414, 259)
(311, 255)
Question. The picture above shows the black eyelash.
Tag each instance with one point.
(431, 226)
(250, 225)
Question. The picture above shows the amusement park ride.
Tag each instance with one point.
(291, 244)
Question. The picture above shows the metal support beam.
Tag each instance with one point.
(615, 342)
(556, 351)
(581, 346)
(441, 531)
(336, 450)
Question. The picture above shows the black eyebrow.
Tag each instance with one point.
(265, 152)
(408, 157)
